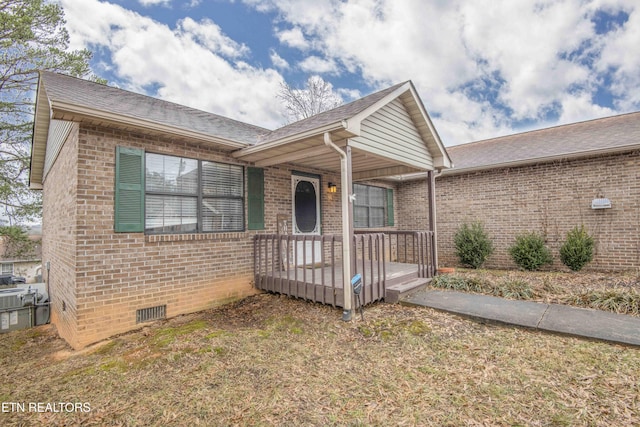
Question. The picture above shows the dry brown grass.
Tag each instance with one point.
(612, 291)
(272, 360)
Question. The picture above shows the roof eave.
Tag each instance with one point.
(544, 159)
(83, 111)
(42, 117)
(332, 127)
(443, 161)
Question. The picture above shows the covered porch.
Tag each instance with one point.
(374, 141)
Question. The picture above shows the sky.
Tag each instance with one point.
(483, 68)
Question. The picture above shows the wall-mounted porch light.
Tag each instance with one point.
(332, 187)
(601, 203)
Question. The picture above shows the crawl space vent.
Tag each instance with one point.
(151, 313)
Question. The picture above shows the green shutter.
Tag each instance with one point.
(255, 189)
(129, 203)
(390, 218)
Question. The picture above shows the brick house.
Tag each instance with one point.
(546, 181)
(153, 209)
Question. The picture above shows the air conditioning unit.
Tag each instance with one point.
(23, 307)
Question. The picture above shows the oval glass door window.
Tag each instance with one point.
(305, 206)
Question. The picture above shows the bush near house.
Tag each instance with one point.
(473, 245)
(530, 252)
(577, 250)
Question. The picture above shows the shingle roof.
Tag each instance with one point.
(337, 114)
(609, 134)
(83, 93)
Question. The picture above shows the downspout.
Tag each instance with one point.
(346, 236)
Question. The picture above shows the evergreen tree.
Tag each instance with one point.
(32, 37)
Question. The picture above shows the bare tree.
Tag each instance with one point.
(315, 97)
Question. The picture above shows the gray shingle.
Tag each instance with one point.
(600, 135)
(84, 93)
(335, 115)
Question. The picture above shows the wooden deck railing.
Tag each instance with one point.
(410, 247)
(295, 265)
(310, 267)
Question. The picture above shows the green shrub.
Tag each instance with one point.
(457, 283)
(577, 250)
(473, 245)
(529, 252)
(623, 301)
(514, 289)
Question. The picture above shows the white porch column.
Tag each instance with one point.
(431, 184)
(347, 223)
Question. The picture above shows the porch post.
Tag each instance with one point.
(347, 182)
(431, 184)
(347, 223)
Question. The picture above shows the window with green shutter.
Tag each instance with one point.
(255, 189)
(371, 206)
(129, 199)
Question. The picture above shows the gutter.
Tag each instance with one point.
(341, 125)
(346, 229)
(62, 107)
(536, 160)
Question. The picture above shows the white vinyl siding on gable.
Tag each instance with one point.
(390, 132)
(59, 131)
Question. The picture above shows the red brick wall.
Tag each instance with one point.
(103, 277)
(59, 229)
(550, 198)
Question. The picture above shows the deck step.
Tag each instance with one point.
(395, 293)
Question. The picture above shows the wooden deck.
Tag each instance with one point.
(325, 284)
(278, 268)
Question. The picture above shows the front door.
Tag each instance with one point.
(306, 217)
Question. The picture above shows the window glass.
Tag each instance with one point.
(169, 174)
(7, 268)
(222, 214)
(221, 180)
(369, 206)
(171, 214)
(189, 196)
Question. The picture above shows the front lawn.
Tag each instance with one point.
(272, 360)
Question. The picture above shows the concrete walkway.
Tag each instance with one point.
(564, 319)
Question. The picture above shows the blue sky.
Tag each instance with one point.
(483, 68)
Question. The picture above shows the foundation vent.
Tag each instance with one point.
(151, 313)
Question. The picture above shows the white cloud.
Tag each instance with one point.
(194, 64)
(620, 59)
(316, 65)
(148, 3)
(206, 33)
(533, 57)
(293, 38)
(482, 67)
(278, 61)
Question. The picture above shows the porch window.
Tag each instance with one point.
(188, 196)
(373, 206)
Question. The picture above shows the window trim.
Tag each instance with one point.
(198, 195)
(388, 219)
(4, 264)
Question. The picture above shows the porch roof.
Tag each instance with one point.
(390, 133)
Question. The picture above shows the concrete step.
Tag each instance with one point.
(396, 292)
